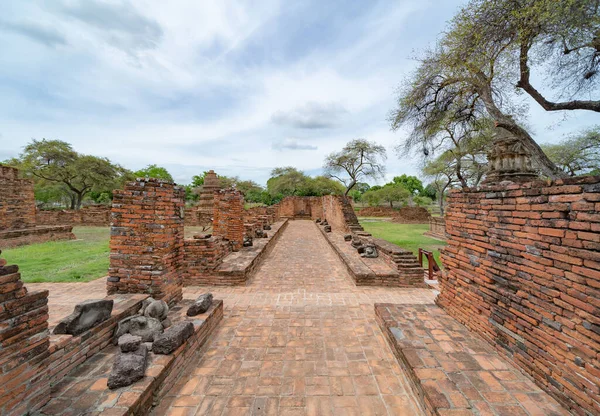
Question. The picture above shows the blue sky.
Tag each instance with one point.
(236, 86)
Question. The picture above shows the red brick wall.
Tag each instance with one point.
(146, 244)
(228, 218)
(201, 257)
(17, 201)
(339, 213)
(522, 268)
(92, 215)
(24, 344)
(293, 206)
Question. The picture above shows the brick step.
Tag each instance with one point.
(84, 390)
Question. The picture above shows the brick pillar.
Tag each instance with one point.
(24, 344)
(228, 218)
(17, 202)
(146, 243)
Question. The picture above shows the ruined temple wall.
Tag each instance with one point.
(301, 206)
(339, 213)
(201, 258)
(522, 269)
(228, 218)
(146, 245)
(437, 228)
(17, 200)
(24, 344)
(92, 215)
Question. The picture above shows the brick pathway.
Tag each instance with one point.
(299, 339)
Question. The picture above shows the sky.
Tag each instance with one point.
(240, 87)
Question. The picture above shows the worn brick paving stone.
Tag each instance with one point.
(300, 338)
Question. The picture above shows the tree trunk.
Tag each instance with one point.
(79, 200)
(391, 205)
(72, 201)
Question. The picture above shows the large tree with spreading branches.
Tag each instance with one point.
(359, 159)
(491, 47)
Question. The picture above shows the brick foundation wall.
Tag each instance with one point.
(201, 258)
(228, 218)
(339, 213)
(437, 228)
(24, 344)
(17, 201)
(91, 215)
(146, 244)
(301, 206)
(522, 269)
(195, 217)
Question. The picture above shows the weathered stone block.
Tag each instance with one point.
(201, 304)
(173, 338)
(128, 368)
(85, 316)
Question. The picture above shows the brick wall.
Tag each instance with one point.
(339, 213)
(201, 258)
(195, 217)
(437, 228)
(301, 206)
(146, 244)
(17, 201)
(24, 344)
(522, 269)
(228, 218)
(91, 215)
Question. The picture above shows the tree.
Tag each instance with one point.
(559, 38)
(472, 71)
(154, 171)
(286, 181)
(393, 193)
(443, 173)
(358, 159)
(411, 183)
(578, 154)
(55, 162)
(372, 197)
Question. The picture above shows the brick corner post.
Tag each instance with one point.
(228, 218)
(146, 242)
(24, 344)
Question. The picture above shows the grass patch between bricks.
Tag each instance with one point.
(78, 260)
(408, 236)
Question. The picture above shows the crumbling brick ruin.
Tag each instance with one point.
(24, 344)
(91, 215)
(522, 269)
(228, 217)
(17, 213)
(437, 228)
(146, 246)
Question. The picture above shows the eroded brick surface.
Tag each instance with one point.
(301, 338)
(454, 370)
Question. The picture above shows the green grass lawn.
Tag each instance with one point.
(408, 236)
(78, 260)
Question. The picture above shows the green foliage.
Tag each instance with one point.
(290, 181)
(430, 191)
(578, 154)
(389, 193)
(411, 183)
(422, 201)
(154, 171)
(358, 159)
(55, 166)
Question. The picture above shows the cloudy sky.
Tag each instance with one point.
(237, 86)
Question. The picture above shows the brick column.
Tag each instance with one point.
(228, 218)
(146, 243)
(17, 202)
(24, 344)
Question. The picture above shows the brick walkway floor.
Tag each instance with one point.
(299, 339)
